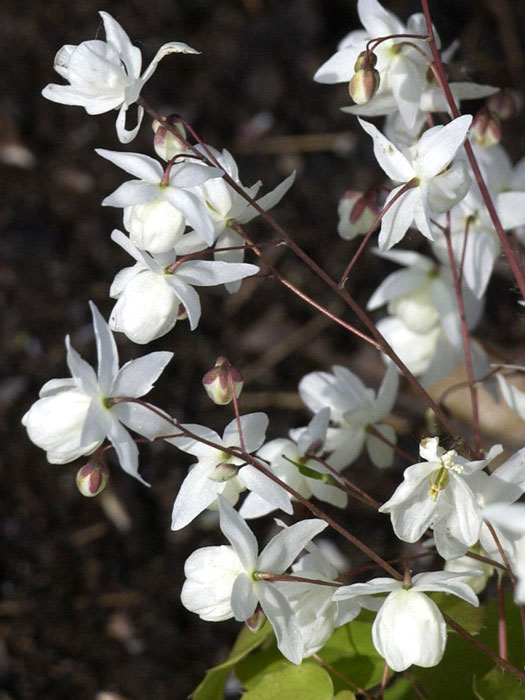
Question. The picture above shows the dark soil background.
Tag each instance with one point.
(89, 589)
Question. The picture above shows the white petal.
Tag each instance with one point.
(196, 493)
(126, 449)
(438, 146)
(244, 599)
(389, 157)
(141, 166)
(513, 397)
(81, 371)
(253, 426)
(260, 484)
(395, 285)
(165, 49)
(106, 352)
(281, 551)
(381, 454)
(132, 192)
(399, 217)
(187, 296)
(241, 538)
(278, 611)
(137, 377)
(206, 273)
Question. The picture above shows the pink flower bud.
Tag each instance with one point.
(504, 104)
(218, 382)
(363, 85)
(486, 128)
(365, 61)
(92, 478)
(357, 212)
(165, 143)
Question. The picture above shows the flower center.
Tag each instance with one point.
(439, 479)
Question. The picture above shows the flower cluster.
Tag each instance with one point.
(184, 216)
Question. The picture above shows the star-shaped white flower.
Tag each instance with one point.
(435, 187)
(149, 296)
(218, 473)
(224, 582)
(353, 410)
(435, 494)
(105, 75)
(409, 627)
(74, 416)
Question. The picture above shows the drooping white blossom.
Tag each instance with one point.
(74, 416)
(218, 473)
(149, 295)
(224, 582)
(435, 187)
(354, 410)
(409, 628)
(105, 75)
(153, 188)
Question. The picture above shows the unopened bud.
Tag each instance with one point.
(182, 314)
(92, 478)
(257, 620)
(363, 85)
(224, 472)
(357, 212)
(166, 144)
(365, 61)
(486, 128)
(504, 104)
(220, 380)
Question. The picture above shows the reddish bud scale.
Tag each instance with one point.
(219, 380)
(92, 478)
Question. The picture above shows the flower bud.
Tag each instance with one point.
(504, 104)
(365, 61)
(92, 478)
(165, 143)
(486, 128)
(257, 620)
(219, 380)
(363, 85)
(357, 212)
(154, 226)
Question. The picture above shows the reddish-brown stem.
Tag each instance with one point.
(440, 74)
(263, 576)
(384, 681)
(379, 435)
(354, 490)
(248, 458)
(363, 317)
(355, 257)
(502, 663)
(466, 347)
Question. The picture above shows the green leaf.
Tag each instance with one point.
(311, 473)
(344, 695)
(497, 685)
(465, 614)
(212, 687)
(351, 652)
(307, 682)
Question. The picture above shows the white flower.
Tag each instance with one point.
(225, 207)
(152, 187)
(149, 296)
(510, 518)
(402, 69)
(216, 472)
(435, 189)
(317, 613)
(435, 494)
(425, 329)
(224, 582)
(409, 627)
(74, 416)
(353, 410)
(278, 453)
(105, 75)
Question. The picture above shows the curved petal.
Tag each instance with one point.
(389, 157)
(281, 551)
(126, 449)
(107, 353)
(137, 377)
(141, 166)
(241, 538)
(243, 599)
(279, 612)
(438, 146)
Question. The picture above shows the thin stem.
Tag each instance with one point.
(364, 318)
(502, 663)
(262, 576)
(466, 346)
(354, 490)
(379, 435)
(344, 277)
(440, 74)
(248, 458)
(384, 681)
(342, 677)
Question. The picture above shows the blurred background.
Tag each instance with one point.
(89, 589)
